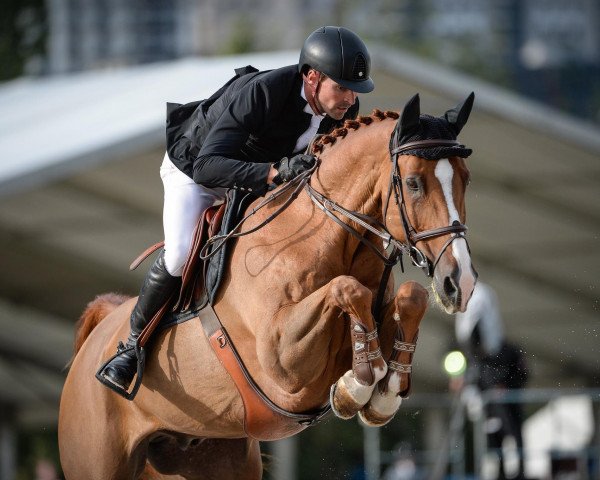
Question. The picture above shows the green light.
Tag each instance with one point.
(455, 363)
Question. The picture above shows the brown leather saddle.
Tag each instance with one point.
(192, 289)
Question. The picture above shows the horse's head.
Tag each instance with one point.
(429, 180)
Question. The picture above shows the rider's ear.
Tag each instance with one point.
(313, 77)
(458, 116)
(409, 122)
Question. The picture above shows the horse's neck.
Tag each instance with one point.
(353, 173)
(351, 170)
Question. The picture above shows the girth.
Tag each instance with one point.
(263, 419)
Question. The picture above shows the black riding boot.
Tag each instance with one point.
(156, 290)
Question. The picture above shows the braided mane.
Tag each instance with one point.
(341, 132)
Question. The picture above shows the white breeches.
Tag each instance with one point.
(185, 202)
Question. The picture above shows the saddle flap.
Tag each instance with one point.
(192, 280)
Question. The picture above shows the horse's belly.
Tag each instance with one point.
(186, 388)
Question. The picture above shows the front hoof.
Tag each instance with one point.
(370, 417)
(380, 409)
(343, 403)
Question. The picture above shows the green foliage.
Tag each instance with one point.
(242, 38)
(23, 32)
(35, 447)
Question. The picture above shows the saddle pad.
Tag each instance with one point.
(237, 203)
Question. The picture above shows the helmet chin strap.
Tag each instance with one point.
(311, 93)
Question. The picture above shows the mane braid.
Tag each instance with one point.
(341, 132)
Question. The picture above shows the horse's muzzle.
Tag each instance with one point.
(453, 283)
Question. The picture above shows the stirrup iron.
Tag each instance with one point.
(140, 354)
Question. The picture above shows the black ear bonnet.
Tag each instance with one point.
(414, 126)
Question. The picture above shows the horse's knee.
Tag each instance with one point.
(348, 291)
(412, 298)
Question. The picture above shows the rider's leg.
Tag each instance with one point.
(157, 288)
(184, 203)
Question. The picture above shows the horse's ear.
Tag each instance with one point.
(410, 116)
(458, 116)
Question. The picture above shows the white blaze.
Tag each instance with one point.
(460, 251)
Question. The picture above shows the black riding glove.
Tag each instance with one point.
(289, 168)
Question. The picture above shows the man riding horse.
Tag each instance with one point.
(250, 135)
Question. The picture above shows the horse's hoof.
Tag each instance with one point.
(370, 417)
(343, 404)
(380, 409)
(348, 396)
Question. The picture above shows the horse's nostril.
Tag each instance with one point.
(449, 287)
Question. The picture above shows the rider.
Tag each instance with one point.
(250, 136)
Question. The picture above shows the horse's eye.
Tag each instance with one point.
(412, 183)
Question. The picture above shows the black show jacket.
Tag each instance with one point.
(230, 139)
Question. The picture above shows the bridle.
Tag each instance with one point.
(379, 229)
(412, 237)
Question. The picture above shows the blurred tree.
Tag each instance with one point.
(23, 32)
(37, 447)
(242, 37)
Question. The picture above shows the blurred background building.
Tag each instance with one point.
(545, 49)
(84, 88)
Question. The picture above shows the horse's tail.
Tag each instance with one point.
(94, 313)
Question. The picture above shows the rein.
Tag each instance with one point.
(328, 206)
(217, 242)
(302, 180)
(379, 229)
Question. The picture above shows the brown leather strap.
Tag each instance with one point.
(438, 232)
(424, 144)
(362, 353)
(311, 94)
(263, 420)
(152, 324)
(145, 254)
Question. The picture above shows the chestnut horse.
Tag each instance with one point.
(297, 302)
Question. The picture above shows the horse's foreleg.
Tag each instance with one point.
(354, 389)
(410, 304)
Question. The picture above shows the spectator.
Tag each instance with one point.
(45, 470)
(403, 467)
(493, 363)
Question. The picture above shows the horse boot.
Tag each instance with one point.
(156, 290)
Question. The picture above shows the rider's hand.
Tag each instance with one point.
(290, 168)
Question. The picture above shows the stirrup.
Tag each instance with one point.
(140, 353)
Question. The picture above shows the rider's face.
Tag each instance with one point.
(332, 98)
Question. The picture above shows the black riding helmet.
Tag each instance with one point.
(341, 55)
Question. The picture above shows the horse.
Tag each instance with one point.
(298, 301)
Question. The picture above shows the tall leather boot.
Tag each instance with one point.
(156, 290)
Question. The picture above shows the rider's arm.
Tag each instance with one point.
(218, 164)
